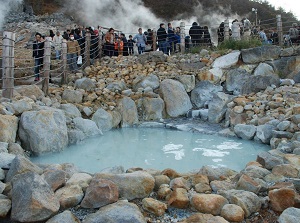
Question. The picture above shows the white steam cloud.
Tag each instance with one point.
(5, 7)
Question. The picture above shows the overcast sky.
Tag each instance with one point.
(288, 5)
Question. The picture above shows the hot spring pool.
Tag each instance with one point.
(156, 148)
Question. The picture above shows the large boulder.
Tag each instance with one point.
(119, 212)
(217, 107)
(43, 131)
(260, 54)
(128, 112)
(85, 84)
(264, 69)
(258, 83)
(235, 79)
(213, 75)
(176, 99)
(103, 120)
(30, 90)
(22, 105)
(287, 67)
(265, 132)
(245, 131)
(152, 108)
(202, 93)
(88, 127)
(153, 56)
(289, 215)
(72, 96)
(70, 110)
(69, 196)
(151, 81)
(227, 60)
(131, 185)
(32, 199)
(188, 81)
(8, 128)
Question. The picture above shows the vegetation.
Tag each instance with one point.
(238, 45)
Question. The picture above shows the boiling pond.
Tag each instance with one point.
(156, 148)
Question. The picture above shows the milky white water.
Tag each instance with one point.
(156, 148)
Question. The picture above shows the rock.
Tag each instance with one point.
(99, 193)
(153, 109)
(64, 217)
(255, 171)
(188, 82)
(32, 199)
(55, 178)
(22, 105)
(88, 127)
(116, 86)
(128, 112)
(232, 213)
(284, 125)
(248, 201)
(264, 69)
(6, 159)
(213, 75)
(208, 203)
(75, 136)
(8, 128)
(16, 149)
(180, 182)
(265, 133)
(248, 184)
(235, 79)
(81, 179)
(202, 93)
(289, 215)
(103, 120)
(72, 96)
(245, 131)
(227, 60)
(216, 173)
(281, 199)
(178, 198)
(204, 218)
(29, 90)
(268, 160)
(164, 191)
(260, 54)
(202, 188)
(217, 185)
(176, 99)
(131, 185)
(86, 84)
(287, 67)
(153, 206)
(217, 107)
(4, 147)
(151, 81)
(70, 110)
(21, 165)
(161, 179)
(286, 170)
(119, 212)
(258, 83)
(69, 196)
(43, 131)
(5, 206)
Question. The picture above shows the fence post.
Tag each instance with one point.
(182, 37)
(279, 29)
(226, 29)
(100, 36)
(64, 49)
(154, 39)
(47, 63)
(87, 55)
(8, 64)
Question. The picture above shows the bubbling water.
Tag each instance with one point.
(156, 148)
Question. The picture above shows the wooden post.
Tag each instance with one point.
(8, 64)
(226, 29)
(47, 63)
(154, 36)
(182, 37)
(279, 29)
(87, 55)
(64, 60)
(100, 43)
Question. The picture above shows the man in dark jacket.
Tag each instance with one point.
(196, 33)
(38, 55)
(162, 38)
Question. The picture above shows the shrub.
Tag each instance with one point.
(239, 44)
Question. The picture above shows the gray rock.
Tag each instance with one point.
(282, 134)
(176, 99)
(88, 127)
(287, 52)
(287, 67)
(202, 93)
(152, 108)
(235, 79)
(289, 215)
(8, 128)
(260, 54)
(258, 83)
(16, 149)
(264, 133)
(55, 178)
(70, 110)
(64, 217)
(103, 120)
(264, 69)
(153, 56)
(216, 173)
(217, 107)
(72, 96)
(188, 82)
(151, 81)
(86, 84)
(5, 206)
(87, 111)
(113, 170)
(248, 201)
(6, 159)
(284, 125)
(287, 82)
(22, 105)
(117, 86)
(119, 212)
(32, 199)
(43, 131)
(69, 196)
(245, 131)
(75, 136)
(3, 147)
(255, 171)
(134, 185)
(268, 160)
(128, 112)
(227, 60)
(29, 90)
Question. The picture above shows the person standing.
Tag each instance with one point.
(57, 41)
(162, 38)
(196, 33)
(73, 50)
(171, 38)
(125, 42)
(141, 40)
(109, 42)
(130, 45)
(236, 30)
(38, 55)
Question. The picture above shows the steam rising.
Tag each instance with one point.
(5, 7)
